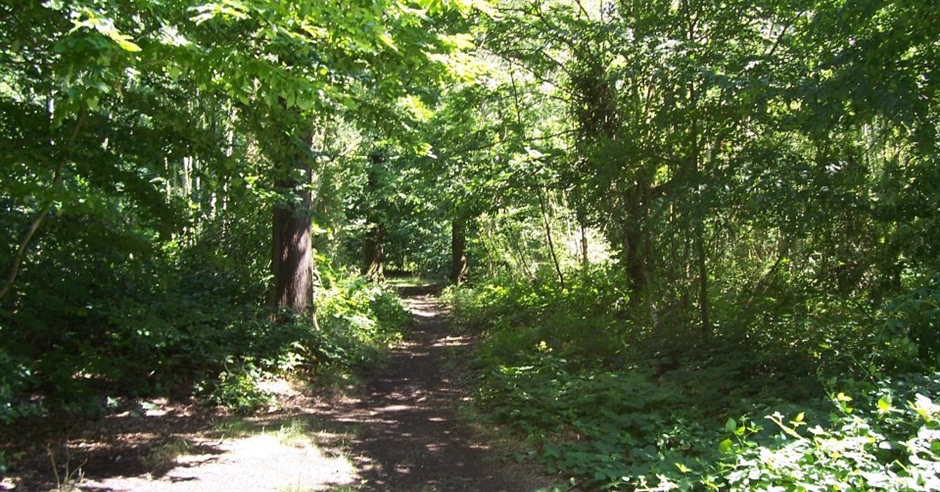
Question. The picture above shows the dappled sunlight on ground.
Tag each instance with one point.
(400, 431)
(452, 342)
(258, 462)
(411, 438)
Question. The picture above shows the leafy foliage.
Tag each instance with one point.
(692, 215)
(866, 445)
(616, 407)
(144, 146)
(358, 321)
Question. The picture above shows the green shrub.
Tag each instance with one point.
(14, 377)
(616, 405)
(580, 323)
(165, 326)
(237, 389)
(913, 325)
(358, 321)
(887, 440)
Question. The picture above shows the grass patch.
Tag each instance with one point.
(165, 455)
(232, 429)
(295, 433)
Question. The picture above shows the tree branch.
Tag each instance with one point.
(41, 216)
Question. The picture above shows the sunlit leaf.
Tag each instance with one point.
(725, 447)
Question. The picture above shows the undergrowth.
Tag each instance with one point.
(818, 402)
(181, 339)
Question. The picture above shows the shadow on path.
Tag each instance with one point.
(401, 435)
(410, 437)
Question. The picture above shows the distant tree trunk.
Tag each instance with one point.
(701, 261)
(373, 243)
(516, 245)
(580, 218)
(551, 243)
(634, 254)
(459, 267)
(373, 253)
(585, 259)
(699, 213)
(292, 261)
(696, 165)
(633, 257)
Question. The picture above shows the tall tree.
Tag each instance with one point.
(373, 243)
(312, 58)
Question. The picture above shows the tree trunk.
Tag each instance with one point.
(634, 259)
(373, 243)
(373, 253)
(459, 267)
(551, 243)
(585, 257)
(701, 260)
(635, 249)
(700, 210)
(292, 261)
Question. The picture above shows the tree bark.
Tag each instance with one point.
(292, 261)
(701, 261)
(696, 165)
(373, 253)
(459, 267)
(373, 242)
(634, 255)
(585, 256)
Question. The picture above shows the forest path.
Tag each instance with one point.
(401, 431)
(412, 439)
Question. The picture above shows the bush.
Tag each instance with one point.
(889, 439)
(618, 406)
(580, 323)
(165, 326)
(913, 325)
(358, 320)
(237, 389)
(14, 378)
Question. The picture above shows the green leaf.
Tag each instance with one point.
(304, 103)
(731, 425)
(125, 44)
(388, 41)
(884, 404)
(725, 447)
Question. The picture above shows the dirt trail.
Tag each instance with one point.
(401, 434)
(414, 436)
